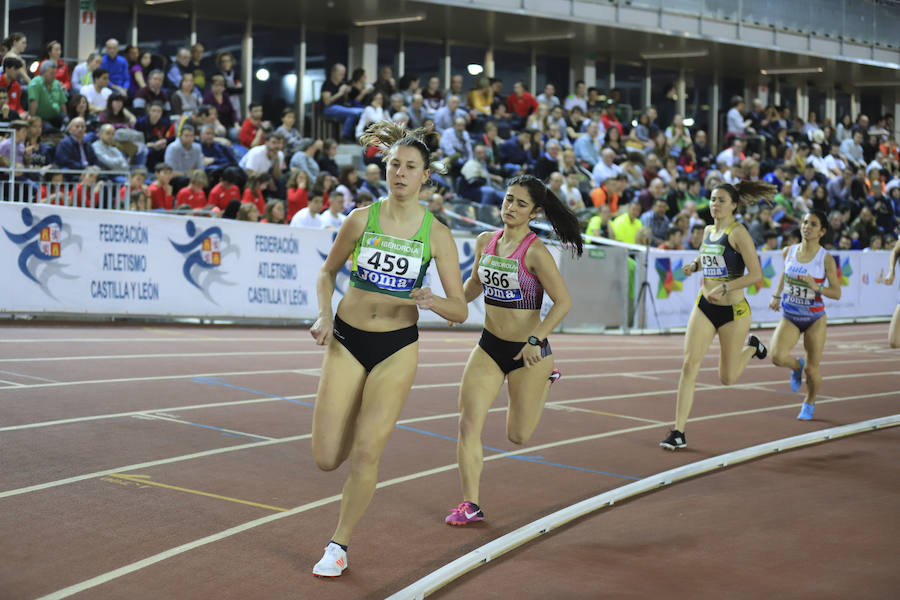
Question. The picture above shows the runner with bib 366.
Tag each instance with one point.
(513, 269)
(807, 266)
(372, 341)
(721, 308)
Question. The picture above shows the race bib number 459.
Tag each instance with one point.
(500, 278)
(388, 262)
(713, 261)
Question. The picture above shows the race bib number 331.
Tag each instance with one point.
(388, 262)
(500, 278)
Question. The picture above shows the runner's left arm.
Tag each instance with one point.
(833, 290)
(453, 307)
(540, 262)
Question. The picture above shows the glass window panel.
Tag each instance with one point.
(511, 67)
(39, 24)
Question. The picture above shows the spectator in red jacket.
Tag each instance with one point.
(256, 183)
(520, 104)
(193, 195)
(9, 81)
(54, 52)
(253, 131)
(227, 190)
(297, 193)
(160, 191)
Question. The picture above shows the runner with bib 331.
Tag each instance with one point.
(513, 269)
(721, 308)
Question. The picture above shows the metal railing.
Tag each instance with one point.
(37, 186)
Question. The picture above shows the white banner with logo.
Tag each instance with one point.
(863, 293)
(75, 261)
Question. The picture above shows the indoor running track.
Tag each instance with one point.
(174, 462)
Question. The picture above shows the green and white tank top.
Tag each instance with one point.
(390, 265)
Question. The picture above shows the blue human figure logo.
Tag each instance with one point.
(343, 274)
(203, 250)
(40, 241)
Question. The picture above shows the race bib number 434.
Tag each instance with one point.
(388, 262)
(500, 278)
(713, 261)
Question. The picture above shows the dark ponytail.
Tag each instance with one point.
(746, 192)
(823, 221)
(564, 222)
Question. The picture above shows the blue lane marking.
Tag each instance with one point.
(212, 381)
(534, 459)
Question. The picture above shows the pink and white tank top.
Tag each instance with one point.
(506, 281)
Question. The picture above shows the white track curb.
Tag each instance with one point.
(474, 559)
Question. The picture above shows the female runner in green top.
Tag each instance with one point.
(372, 348)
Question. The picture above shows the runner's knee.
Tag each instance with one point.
(781, 360)
(727, 378)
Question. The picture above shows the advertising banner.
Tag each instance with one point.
(863, 293)
(74, 261)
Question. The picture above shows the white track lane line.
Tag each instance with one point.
(276, 371)
(29, 376)
(699, 385)
(156, 558)
(108, 357)
(174, 419)
(214, 451)
(313, 372)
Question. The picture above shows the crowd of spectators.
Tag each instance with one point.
(175, 130)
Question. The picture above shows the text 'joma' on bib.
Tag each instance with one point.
(713, 260)
(389, 263)
(500, 278)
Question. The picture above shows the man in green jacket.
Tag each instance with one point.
(47, 97)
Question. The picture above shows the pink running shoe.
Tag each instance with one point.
(555, 376)
(465, 513)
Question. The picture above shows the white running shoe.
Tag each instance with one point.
(333, 563)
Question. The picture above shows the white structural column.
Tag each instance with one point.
(6, 18)
(582, 69)
(448, 65)
(830, 106)
(714, 115)
(776, 91)
(193, 35)
(489, 61)
(802, 102)
(247, 64)
(300, 107)
(612, 73)
(364, 51)
(647, 88)
(133, 31)
(401, 55)
(680, 91)
(532, 72)
(80, 28)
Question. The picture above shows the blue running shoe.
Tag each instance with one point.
(806, 412)
(797, 376)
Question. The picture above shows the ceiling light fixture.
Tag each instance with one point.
(685, 54)
(152, 2)
(389, 21)
(546, 37)
(794, 71)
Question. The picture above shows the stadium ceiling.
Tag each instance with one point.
(433, 21)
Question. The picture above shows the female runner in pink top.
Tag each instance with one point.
(513, 269)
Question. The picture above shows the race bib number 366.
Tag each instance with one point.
(388, 262)
(500, 278)
(713, 261)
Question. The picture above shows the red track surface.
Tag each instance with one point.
(80, 403)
